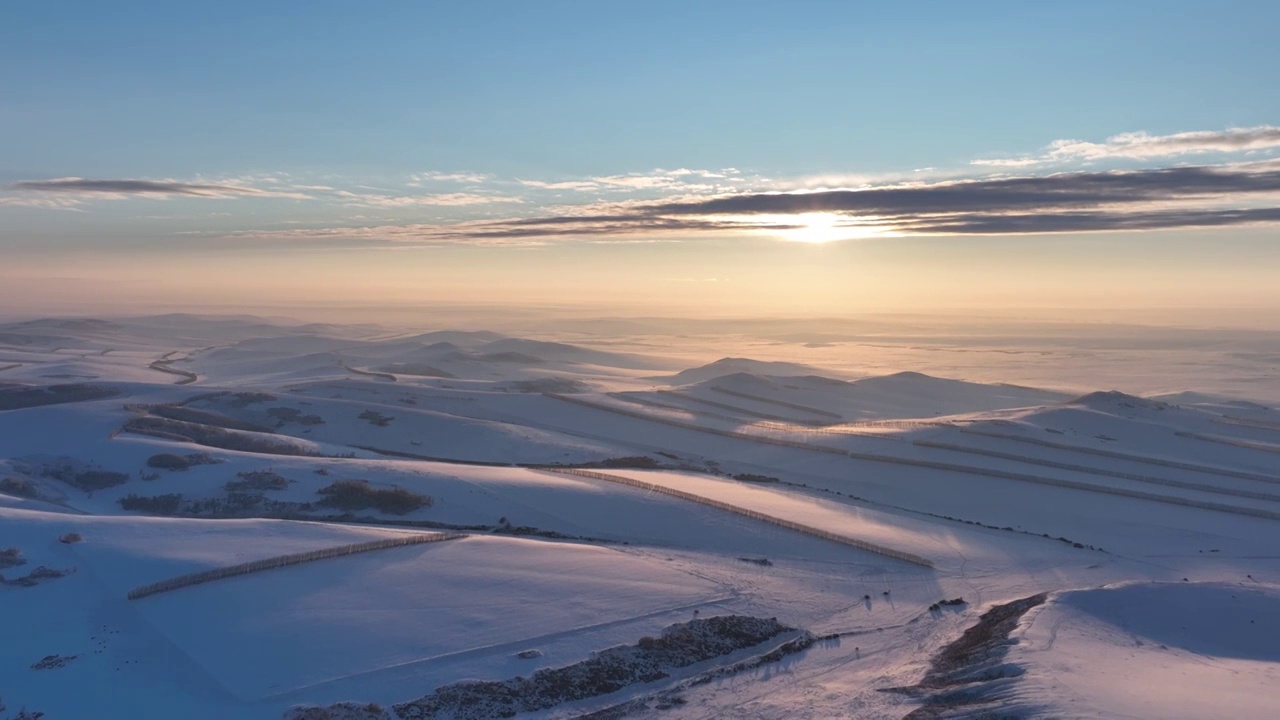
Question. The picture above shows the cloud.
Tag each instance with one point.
(1144, 146)
(469, 178)
(1185, 197)
(1018, 162)
(436, 200)
(464, 189)
(155, 188)
(44, 202)
(1020, 224)
(410, 234)
(67, 193)
(577, 185)
(1064, 190)
(1116, 200)
(663, 205)
(682, 180)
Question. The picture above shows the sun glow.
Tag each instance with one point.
(817, 228)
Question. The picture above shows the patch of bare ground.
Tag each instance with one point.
(340, 711)
(969, 677)
(40, 575)
(11, 557)
(674, 696)
(53, 662)
(649, 660)
(23, 713)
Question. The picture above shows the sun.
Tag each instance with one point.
(816, 227)
(810, 228)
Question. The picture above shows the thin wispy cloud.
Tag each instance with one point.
(465, 178)
(1168, 198)
(682, 180)
(44, 202)
(71, 193)
(125, 188)
(432, 200)
(384, 234)
(575, 185)
(1144, 146)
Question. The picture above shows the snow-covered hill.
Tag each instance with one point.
(586, 509)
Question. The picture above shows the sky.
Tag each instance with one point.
(713, 157)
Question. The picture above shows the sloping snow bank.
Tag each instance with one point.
(1144, 650)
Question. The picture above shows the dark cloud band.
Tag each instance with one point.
(1067, 202)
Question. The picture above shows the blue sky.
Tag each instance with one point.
(269, 128)
(582, 88)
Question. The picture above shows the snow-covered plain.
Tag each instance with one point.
(1151, 517)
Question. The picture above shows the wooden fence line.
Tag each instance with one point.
(1098, 471)
(1074, 485)
(1248, 422)
(779, 403)
(695, 427)
(1147, 459)
(745, 512)
(204, 576)
(649, 402)
(836, 431)
(1222, 440)
(949, 467)
(741, 411)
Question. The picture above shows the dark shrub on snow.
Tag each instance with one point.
(20, 487)
(354, 495)
(258, 480)
(156, 504)
(172, 461)
(639, 462)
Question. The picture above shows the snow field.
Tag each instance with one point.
(971, 477)
(1185, 651)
